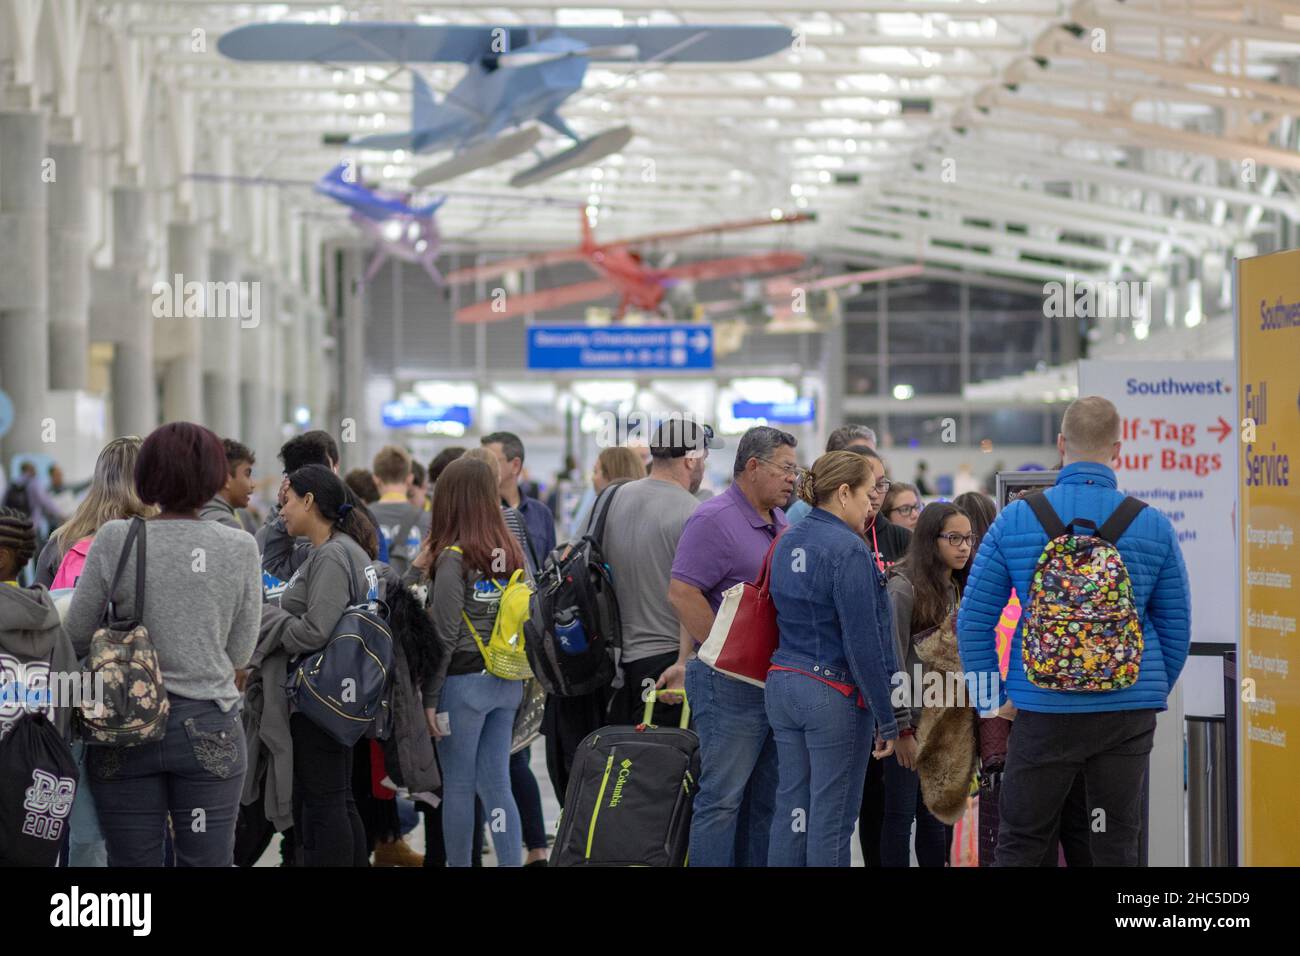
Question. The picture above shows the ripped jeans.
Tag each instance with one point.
(194, 774)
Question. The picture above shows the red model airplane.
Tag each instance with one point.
(621, 271)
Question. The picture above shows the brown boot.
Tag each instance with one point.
(397, 853)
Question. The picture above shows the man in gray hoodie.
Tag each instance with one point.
(34, 651)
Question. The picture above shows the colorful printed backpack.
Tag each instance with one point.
(1081, 630)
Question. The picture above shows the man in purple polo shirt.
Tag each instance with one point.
(723, 543)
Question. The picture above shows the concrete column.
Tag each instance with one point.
(259, 422)
(831, 408)
(298, 353)
(24, 295)
(180, 334)
(133, 380)
(352, 367)
(220, 340)
(69, 269)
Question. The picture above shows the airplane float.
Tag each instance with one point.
(516, 75)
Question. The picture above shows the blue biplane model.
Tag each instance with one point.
(400, 229)
(517, 74)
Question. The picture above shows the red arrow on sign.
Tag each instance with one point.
(1223, 430)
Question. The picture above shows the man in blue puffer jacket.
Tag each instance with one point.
(1107, 736)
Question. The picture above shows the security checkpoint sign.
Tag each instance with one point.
(635, 348)
(1178, 454)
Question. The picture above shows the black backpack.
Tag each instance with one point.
(576, 587)
(38, 781)
(16, 498)
(345, 687)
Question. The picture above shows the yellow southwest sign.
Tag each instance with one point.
(1268, 370)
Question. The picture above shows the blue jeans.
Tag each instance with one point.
(732, 819)
(475, 759)
(195, 774)
(85, 840)
(823, 743)
(903, 804)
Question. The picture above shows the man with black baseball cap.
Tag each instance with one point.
(645, 521)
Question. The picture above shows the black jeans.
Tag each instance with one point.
(566, 722)
(628, 705)
(324, 811)
(528, 798)
(872, 817)
(1047, 753)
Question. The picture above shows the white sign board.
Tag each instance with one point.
(1177, 454)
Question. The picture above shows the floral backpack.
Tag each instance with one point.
(1081, 627)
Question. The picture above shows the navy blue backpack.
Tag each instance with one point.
(345, 687)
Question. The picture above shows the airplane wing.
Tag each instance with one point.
(786, 284)
(737, 265)
(442, 43)
(491, 270)
(513, 305)
(735, 226)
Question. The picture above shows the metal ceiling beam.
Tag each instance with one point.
(997, 158)
(1151, 134)
(1059, 43)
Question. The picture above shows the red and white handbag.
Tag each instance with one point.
(744, 635)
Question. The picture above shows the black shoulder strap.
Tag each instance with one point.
(599, 514)
(1046, 515)
(352, 576)
(135, 533)
(1120, 519)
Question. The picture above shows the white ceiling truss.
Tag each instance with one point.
(1017, 138)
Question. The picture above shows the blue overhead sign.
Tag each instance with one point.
(655, 347)
(798, 412)
(402, 414)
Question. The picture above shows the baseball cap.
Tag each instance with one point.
(676, 437)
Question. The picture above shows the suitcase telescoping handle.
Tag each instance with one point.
(650, 705)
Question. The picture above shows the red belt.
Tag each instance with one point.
(848, 690)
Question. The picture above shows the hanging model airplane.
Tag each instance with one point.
(784, 300)
(622, 272)
(399, 229)
(516, 75)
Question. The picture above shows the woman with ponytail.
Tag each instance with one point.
(830, 675)
(339, 570)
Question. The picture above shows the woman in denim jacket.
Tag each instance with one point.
(831, 672)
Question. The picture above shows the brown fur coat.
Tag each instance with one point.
(947, 736)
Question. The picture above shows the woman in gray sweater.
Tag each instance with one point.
(340, 570)
(202, 603)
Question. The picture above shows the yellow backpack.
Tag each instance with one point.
(503, 655)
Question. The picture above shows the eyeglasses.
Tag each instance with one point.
(956, 540)
(883, 485)
(906, 510)
(786, 468)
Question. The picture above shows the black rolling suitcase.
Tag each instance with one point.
(629, 797)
